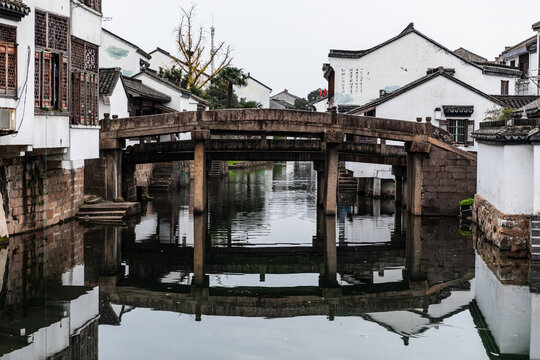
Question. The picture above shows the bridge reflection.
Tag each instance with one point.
(410, 272)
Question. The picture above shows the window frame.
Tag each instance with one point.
(10, 49)
(52, 86)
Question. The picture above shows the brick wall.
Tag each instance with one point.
(36, 195)
(447, 178)
(507, 232)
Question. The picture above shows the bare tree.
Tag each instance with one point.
(194, 60)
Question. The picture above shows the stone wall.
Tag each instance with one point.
(143, 174)
(506, 231)
(447, 178)
(38, 194)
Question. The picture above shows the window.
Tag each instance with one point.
(51, 61)
(513, 63)
(504, 87)
(460, 129)
(84, 82)
(94, 4)
(8, 60)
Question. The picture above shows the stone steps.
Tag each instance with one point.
(535, 238)
(108, 212)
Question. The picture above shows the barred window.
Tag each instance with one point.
(460, 129)
(8, 60)
(51, 61)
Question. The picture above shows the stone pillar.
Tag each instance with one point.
(199, 245)
(376, 188)
(199, 171)
(414, 180)
(113, 173)
(319, 167)
(397, 171)
(332, 139)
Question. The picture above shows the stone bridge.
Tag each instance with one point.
(432, 174)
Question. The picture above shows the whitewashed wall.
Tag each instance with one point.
(422, 101)
(86, 23)
(365, 170)
(536, 180)
(505, 177)
(254, 91)
(118, 103)
(117, 53)
(398, 64)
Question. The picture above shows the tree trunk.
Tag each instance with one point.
(229, 96)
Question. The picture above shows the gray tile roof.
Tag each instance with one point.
(536, 25)
(135, 88)
(515, 101)
(108, 78)
(469, 55)
(13, 9)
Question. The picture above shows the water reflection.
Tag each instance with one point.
(46, 308)
(371, 281)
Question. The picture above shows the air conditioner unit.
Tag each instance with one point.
(7, 119)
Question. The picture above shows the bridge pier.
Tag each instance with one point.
(199, 246)
(319, 167)
(331, 173)
(414, 182)
(328, 278)
(200, 198)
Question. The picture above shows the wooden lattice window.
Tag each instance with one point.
(460, 129)
(8, 60)
(51, 81)
(94, 4)
(85, 67)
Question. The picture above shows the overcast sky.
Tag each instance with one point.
(283, 43)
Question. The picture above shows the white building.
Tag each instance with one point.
(117, 52)
(525, 57)
(52, 49)
(254, 90)
(440, 97)
(283, 100)
(360, 76)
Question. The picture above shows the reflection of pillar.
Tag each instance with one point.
(110, 263)
(377, 207)
(199, 245)
(330, 252)
(331, 179)
(534, 351)
(319, 237)
(414, 247)
(199, 171)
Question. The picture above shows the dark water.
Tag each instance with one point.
(264, 275)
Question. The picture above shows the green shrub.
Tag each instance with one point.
(469, 201)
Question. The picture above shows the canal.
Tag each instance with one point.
(264, 275)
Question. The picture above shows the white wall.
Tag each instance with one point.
(84, 140)
(506, 308)
(86, 24)
(321, 106)
(536, 180)
(3, 226)
(365, 170)
(534, 352)
(118, 103)
(505, 177)
(398, 64)
(117, 53)
(254, 91)
(422, 101)
(83, 309)
(25, 72)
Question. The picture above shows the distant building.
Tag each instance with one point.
(283, 100)
(356, 77)
(525, 57)
(254, 91)
(116, 52)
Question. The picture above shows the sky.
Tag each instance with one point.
(283, 43)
